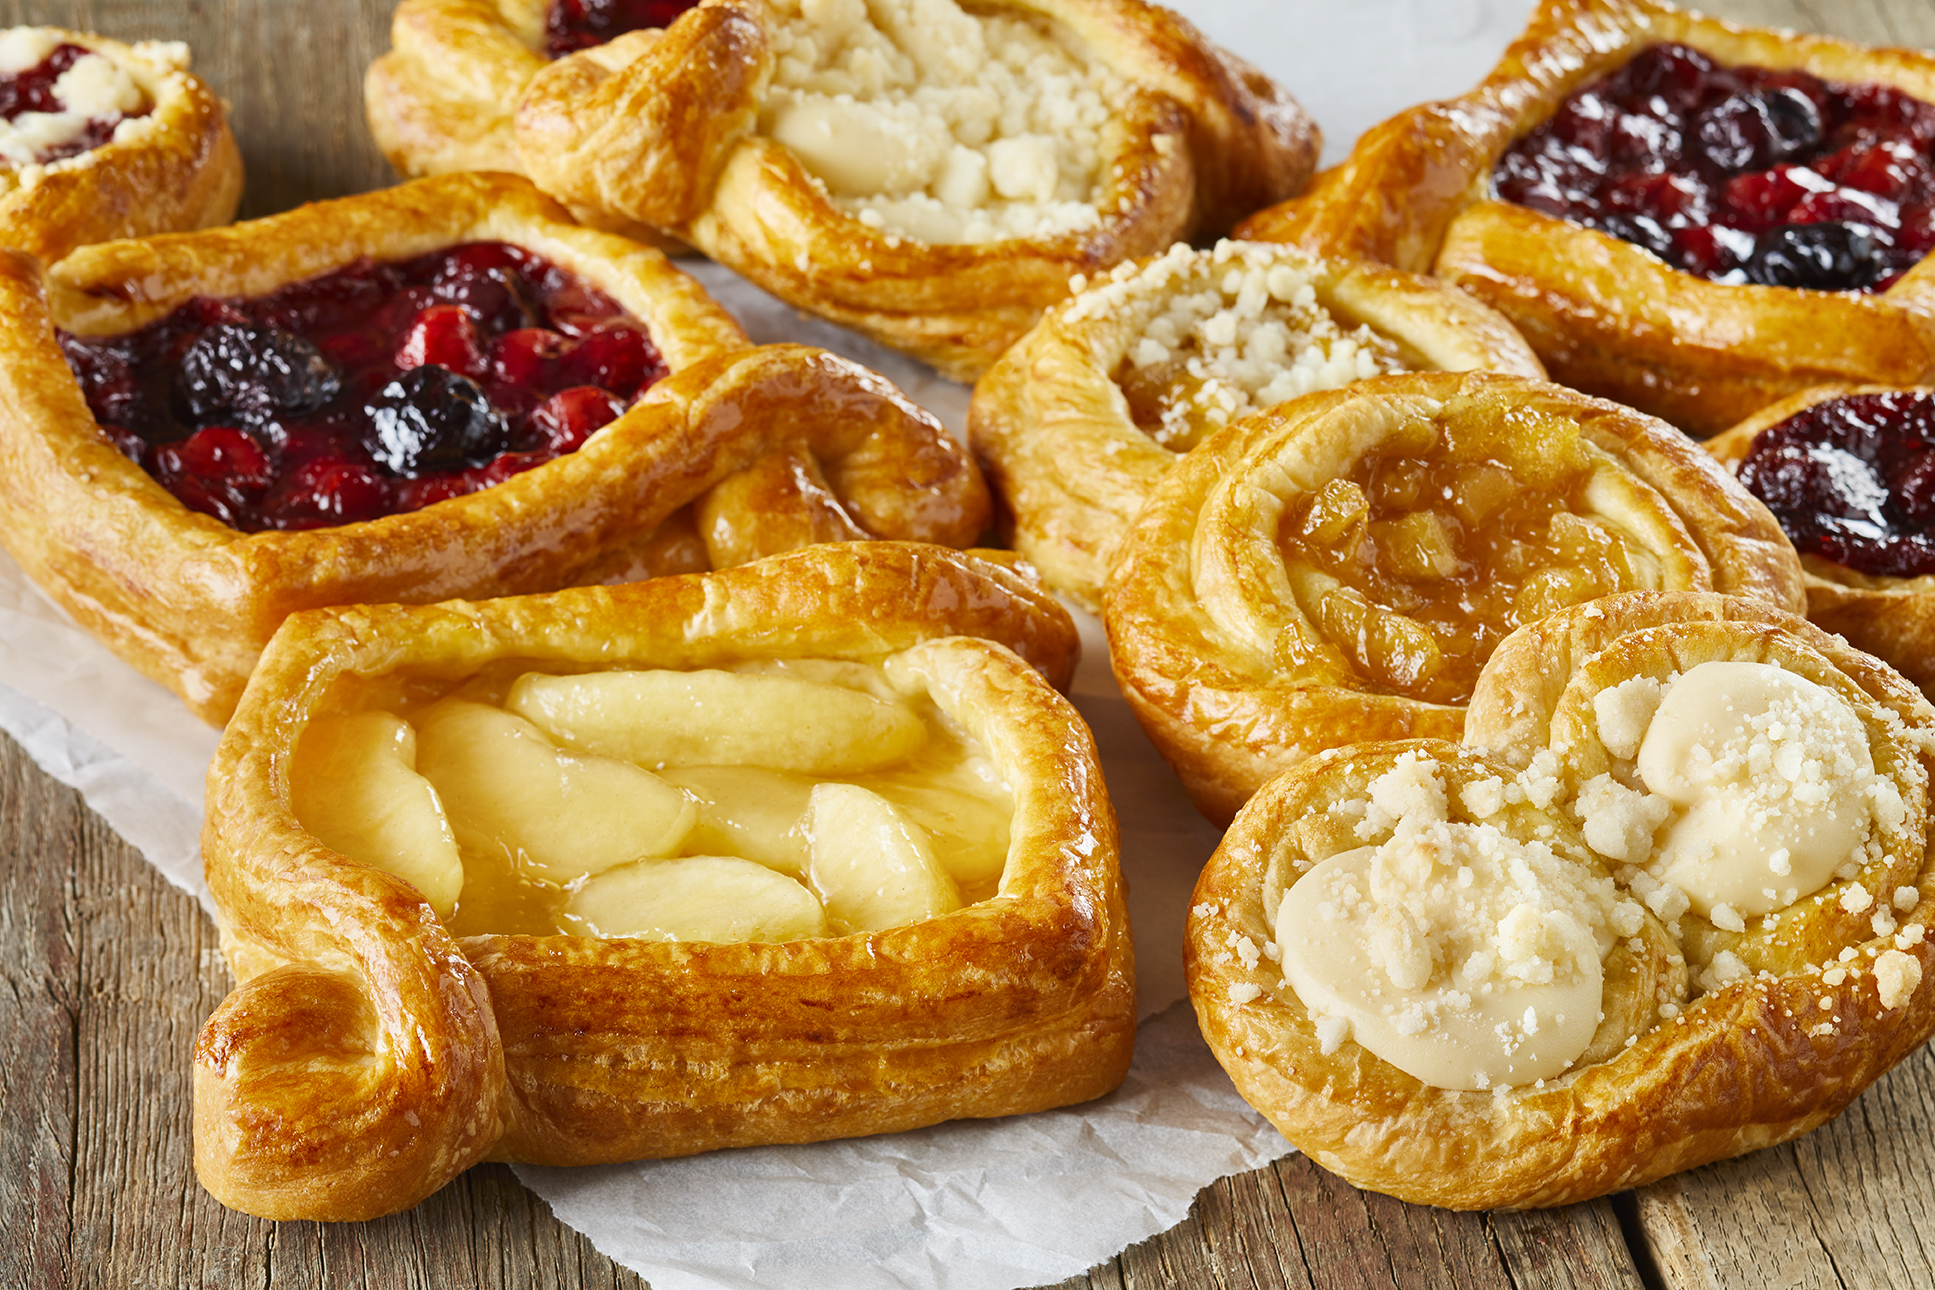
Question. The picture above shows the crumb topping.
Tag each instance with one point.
(940, 124)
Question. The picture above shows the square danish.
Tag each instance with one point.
(929, 174)
(1086, 412)
(1339, 567)
(806, 849)
(1667, 904)
(1690, 217)
(444, 389)
(101, 140)
(1842, 468)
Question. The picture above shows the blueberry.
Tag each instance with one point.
(235, 369)
(1821, 257)
(431, 419)
(1641, 230)
(1794, 121)
(1737, 133)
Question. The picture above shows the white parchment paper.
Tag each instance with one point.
(984, 1205)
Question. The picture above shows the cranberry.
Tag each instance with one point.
(431, 418)
(254, 371)
(572, 25)
(325, 492)
(445, 336)
(616, 356)
(1853, 480)
(569, 417)
(1675, 74)
(1711, 250)
(487, 280)
(217, 470)
(526, 356)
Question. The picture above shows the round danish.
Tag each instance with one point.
(801, 850)
(1086, 412)
(442, 389)
(101, 140)
(1339, 567)
(1689, 217)
(1666, 906)
(927, 174)
(1839, 467)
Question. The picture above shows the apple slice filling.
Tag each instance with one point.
(772, 802)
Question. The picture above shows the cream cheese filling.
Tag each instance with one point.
(940, 124)
(1460, 954)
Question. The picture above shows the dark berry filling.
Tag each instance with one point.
(33, 91)
(572, 25)
(1739, 174)
(377, 389)
(1852, 480)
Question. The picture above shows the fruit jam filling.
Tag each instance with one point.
(58, 99)
(1852, 480)
(376, 389)
(1739, 174)
(572, 25)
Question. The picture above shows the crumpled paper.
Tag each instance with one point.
(976, 1205)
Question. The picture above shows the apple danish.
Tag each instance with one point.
(1841, 468)
(1339, 567)
(928, 174)
(101, 140)
(805, 849)
(1086, 412)
(443, 389)
(1689, 217)
(1666, 906)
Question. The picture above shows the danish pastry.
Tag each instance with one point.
(1086, 412)
(1839, 465)
(837, 861)
(929, 175)
(1666, 906)
(1339, 567)
(443, 389)
(1689, 217)
(101, 140)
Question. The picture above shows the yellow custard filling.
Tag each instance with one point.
(771, 802)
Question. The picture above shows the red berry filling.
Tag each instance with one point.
(377, 389)
(572, 25)
(32, 90)
(1739, 174)
(1852, 480)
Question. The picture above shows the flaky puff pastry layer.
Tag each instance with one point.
(1751, 1061)
(1051, 426)
(1241, 661)
(440, 101)
(1604, 315)
(832, 449)
(1889, 617)
(661, 128)
(177, 168)
(368, 1057)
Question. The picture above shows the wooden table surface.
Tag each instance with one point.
(109, 971)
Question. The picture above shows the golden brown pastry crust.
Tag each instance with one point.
(369, 1057)
(1200, 611)
(659, 128)
(1050, 425)
(1749, 1064)
(1606, 316)
(1891, 618)
(190, 601)
(179, 171)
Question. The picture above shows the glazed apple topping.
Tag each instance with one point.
(1739, 174)
(1852, 480)
(377, 389)
(59, 99)
(572, 25)
(771, 803)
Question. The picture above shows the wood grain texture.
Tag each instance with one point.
(109, 971)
